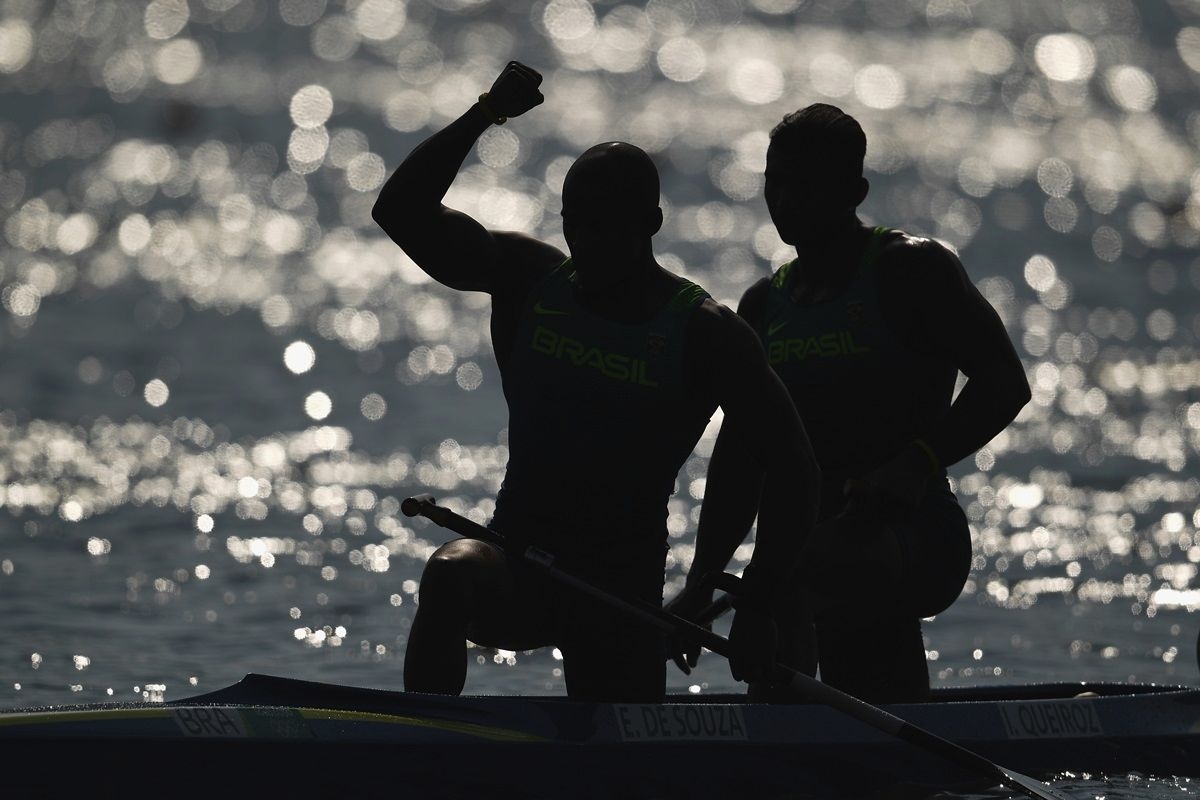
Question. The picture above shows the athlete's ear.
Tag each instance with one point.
(568, 229)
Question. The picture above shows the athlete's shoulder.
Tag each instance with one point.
(524, 261)
(759, 288)
(921, 267)
(719, 329)
(905, 248)
(919, 257)
(753, 305)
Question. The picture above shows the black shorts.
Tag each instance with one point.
(934, 544)
(608, 654)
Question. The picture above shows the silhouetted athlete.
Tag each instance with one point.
(868, 328)
(611, 367)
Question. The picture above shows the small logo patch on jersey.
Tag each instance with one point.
(856, 312)
(540, 309)
(655, 343)
(775, 327)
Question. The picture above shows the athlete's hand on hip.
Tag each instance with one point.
(902, 480)
(515, 91)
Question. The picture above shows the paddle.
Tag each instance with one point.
(424, 505)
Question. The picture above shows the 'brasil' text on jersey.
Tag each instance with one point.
(611, 365)
(826, 345)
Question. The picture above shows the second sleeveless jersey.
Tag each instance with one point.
(861, 392)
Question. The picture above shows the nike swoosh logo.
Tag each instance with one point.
(538, 308)
(776, 326)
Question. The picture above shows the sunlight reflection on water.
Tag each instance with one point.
(219, 160)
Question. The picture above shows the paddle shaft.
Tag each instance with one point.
(805, 685)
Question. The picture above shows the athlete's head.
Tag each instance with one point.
(814, 178)
(610, 202)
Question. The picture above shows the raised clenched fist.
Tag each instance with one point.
(515, 91)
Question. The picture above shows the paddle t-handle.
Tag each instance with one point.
(417, 505)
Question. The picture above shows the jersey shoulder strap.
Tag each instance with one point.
(689, 296)
(780, 278)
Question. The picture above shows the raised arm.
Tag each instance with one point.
(449, 245)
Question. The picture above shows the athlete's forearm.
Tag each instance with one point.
(986, 405)
(415, 190)
(787, 513)
(731, 496)
(789, 498)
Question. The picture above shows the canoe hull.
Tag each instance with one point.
(272, 735)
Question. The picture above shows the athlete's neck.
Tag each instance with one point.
(632, 292)
(828, 264)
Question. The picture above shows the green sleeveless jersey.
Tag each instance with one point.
(601, 417)
(861, 391)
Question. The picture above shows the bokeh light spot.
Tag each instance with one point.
(569, 19)
(757, 81)
(681, 59)
(1187, 42)
(373, 407)
(318, 405)
(1040, 273)
(16, 45)
(311, 106)
(165, 18)
(469, 376)
(156, 392)
(299, 357)
(1131, 88)
(879, 86)
(178, 62)
(380, 20)
(1065, 57)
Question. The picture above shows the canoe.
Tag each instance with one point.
(302, 738)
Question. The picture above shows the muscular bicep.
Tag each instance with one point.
(980, 342)
(460, 253)
(951, 318)
(450, 246)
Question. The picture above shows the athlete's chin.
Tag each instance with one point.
(801, 238)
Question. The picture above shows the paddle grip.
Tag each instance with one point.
(413, 506)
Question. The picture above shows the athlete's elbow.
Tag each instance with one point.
(399, 225)
(384, 216)
(1017, 391)
(1024, 395)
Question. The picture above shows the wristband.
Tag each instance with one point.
(487, 110)
(934, 464)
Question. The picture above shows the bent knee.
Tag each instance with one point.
(460, 565)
